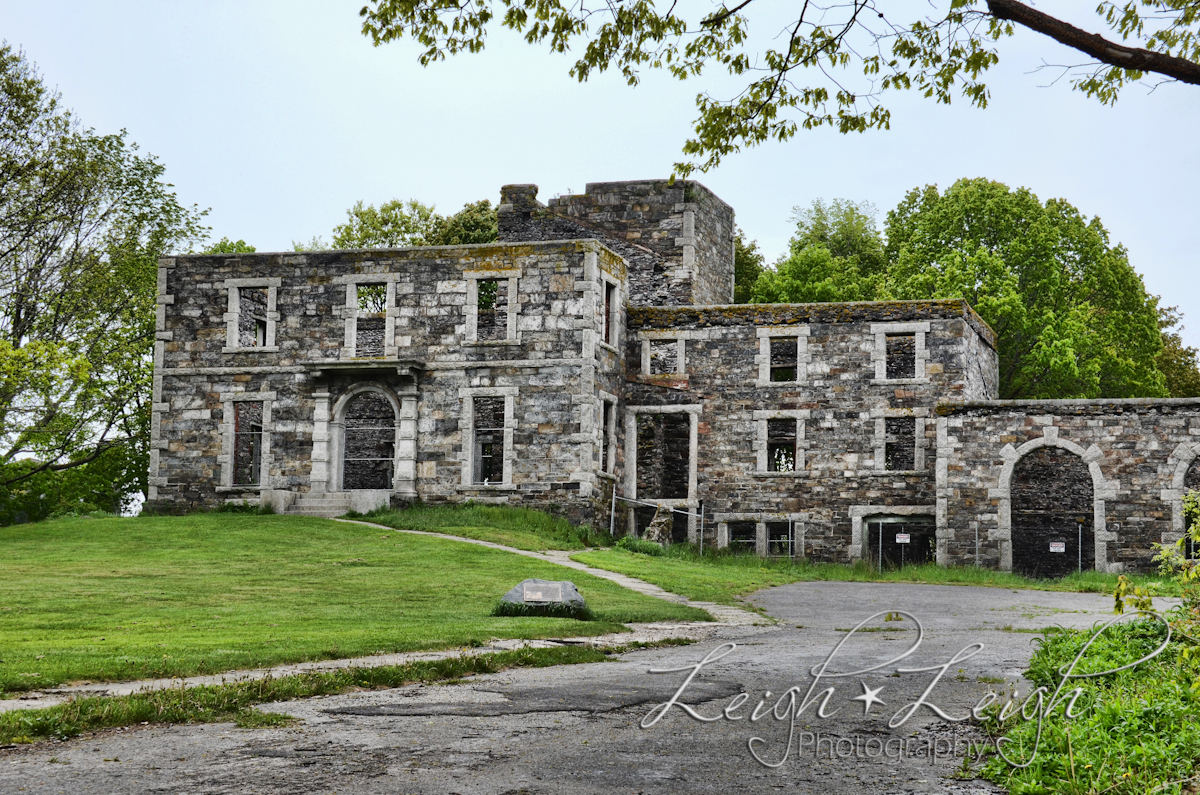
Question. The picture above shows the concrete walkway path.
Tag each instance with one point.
(725, 616)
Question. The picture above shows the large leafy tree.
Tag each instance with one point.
(836, 254)
(83, 220)
(399, 224)
(832, 64)
(1072, 317)
(748, 265)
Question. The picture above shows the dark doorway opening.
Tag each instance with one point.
(368, 459)
(663, 456)
(1052, 515)
(897, 541)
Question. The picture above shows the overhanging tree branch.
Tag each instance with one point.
(1096, 46)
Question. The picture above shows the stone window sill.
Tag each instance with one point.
(784, 384)
(238, 488)
(803, 473)
(487, 488)
(488, 343)
(885, 472)
(253, 349)
(607, 476)
(611, 348)
(899, 381)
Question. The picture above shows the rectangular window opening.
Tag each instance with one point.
(252, 317)
(606, 416)
(247, 442)
(610, 294)
(779, 539)
(664, 357)
(781, 445)
(783, 358)
(489, 440)
(492, 309)
(901, 355)
(900, 446)
(743, 536)
(663, 456)
(371, 320)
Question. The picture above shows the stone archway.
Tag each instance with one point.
(368, 442)
(1102, 490)
(1052, 514)
(1186, 458)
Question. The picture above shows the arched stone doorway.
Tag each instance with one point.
(369, 443)
(1052, 509)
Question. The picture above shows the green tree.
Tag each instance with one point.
(227, 246)
(1072, 316)
(394, 224)
(1179, 363)
(83, 221)
(748, 265)
(835, 254)
(474, 223)
(834, 62)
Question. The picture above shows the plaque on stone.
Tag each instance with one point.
(549, 592)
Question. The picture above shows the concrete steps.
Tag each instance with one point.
(326, 506)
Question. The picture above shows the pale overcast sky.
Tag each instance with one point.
(280, 115)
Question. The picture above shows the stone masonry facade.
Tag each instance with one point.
(590, 364)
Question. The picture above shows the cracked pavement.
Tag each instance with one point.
(575, 729)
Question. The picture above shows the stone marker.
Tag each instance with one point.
(544, 592)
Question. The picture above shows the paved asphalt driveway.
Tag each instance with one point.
(575, 729)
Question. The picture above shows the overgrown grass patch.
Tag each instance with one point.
(722, 576)
(1137, 730)
(123, 599)
(520, 528)
(235, 702)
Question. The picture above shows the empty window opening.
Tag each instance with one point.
(901, 355)
(1052, 514)
(779, 539)
(492, 306)
(489, 440)
(370, 325)
(252, 317)
(610, 298)
(663, 455)
(783, 358)
(897, 541)
(606, 418)
(1191, 482)
(643, 515)
(900, 446)
(781, 445)
(370, 443)
(679, 527)
(247, 442)
(743, 536)
(664, 357)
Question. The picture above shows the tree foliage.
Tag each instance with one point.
(1179, 363)
(83, 220)
(836, 254)
(401, 224)
(830, 65)
(1072, 317)
(748, 265)
(227, 246)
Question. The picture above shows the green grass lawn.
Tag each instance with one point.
(114, 599)
(514, 527)
(724, 578)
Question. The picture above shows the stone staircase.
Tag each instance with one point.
(328, 505)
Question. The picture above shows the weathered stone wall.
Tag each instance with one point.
(839, 397)
(677, 239)
(1137, 454)
(553, 368)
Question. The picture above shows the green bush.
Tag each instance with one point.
(640, 546)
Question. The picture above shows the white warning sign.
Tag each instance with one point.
(1058, 546)
(902, 538)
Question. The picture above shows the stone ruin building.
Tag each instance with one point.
(590, 363)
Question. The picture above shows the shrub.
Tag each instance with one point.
(640, 546)
(552, 610)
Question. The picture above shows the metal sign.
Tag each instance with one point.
(1058, 546)
(902, 538)
(548, 592)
